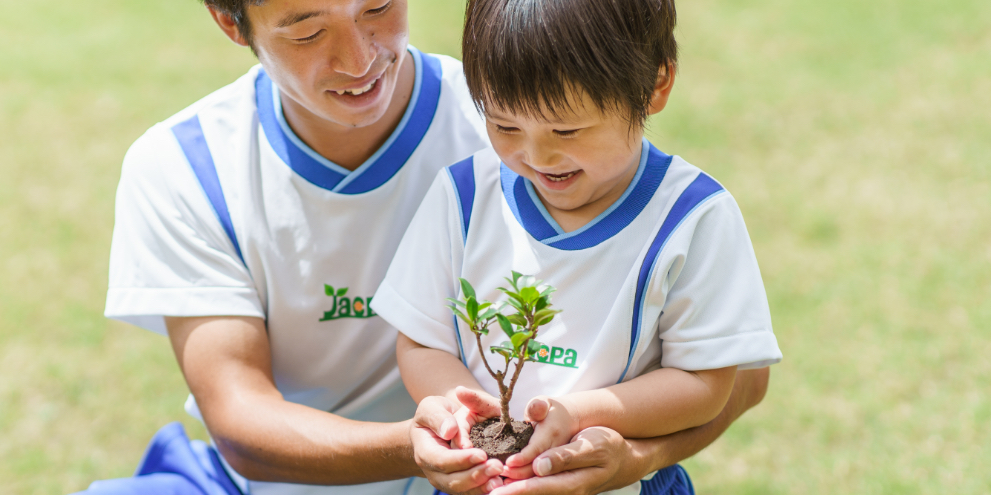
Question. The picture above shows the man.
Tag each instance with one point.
(253, 227)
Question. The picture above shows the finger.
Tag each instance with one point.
(518, 473)
(432, 453)
(576, 455)
(478, 479)
(437, 413)
(542, 439)
(564, 483)
(537, 408)
(479, 403)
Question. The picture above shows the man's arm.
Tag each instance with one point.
(227, 364)
(599, 459)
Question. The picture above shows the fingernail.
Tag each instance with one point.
(542, 467)
(477, 457)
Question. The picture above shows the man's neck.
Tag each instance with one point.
(350, 147)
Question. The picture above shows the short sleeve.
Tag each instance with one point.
(715, 312)
(421, 277)
(169, 255)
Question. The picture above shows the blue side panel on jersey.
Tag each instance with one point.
(171, 465)
(384, 164)
(462, 175)
(700, 190)
(193, 144)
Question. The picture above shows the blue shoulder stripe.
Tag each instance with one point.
(697, 193)
(462, 175)
(193, 144)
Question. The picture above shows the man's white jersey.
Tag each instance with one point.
(666, 277)
(223, 210)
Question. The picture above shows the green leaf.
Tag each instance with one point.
(541, 303)
(529, 295)
(516, 304)
(506, 325)
(533, 347)
(519, 338)
(527, 281)
(516, 276)
(488, 314)
(548, 291)
(328, 290)
(517, 319)
(457, 302)
(505, 348)
(471, 308)
(462, 316)
(484, 305)
(342, 291)
(467, 288)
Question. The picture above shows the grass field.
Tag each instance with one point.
(856, 137)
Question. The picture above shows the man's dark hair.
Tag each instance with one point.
(522, 54)
(237, 10)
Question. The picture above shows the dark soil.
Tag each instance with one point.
(499, 440)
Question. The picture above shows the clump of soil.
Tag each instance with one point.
(500, 440)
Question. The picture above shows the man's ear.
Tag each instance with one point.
(662, 88)
(227, 25)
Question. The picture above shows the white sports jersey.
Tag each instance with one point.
(666, 277)
(223, 210)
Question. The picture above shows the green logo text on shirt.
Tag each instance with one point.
(347, 307)
(558, 356)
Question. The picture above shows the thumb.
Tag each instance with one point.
(537, 408)
(480, 403)
(437, 414)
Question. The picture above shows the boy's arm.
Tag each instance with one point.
(427, 372)
(658, 403)
(227, 364)
(599, 459)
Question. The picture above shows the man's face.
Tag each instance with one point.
(337, 59)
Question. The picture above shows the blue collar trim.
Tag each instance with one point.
(381, 166)
(533, 216)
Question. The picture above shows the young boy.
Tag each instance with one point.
(661, 295)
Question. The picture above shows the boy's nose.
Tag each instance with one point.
(353, 53)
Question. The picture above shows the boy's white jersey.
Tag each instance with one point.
(223, 210)
(666, 277)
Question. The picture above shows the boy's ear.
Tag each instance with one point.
(227, 25)
(662, 88)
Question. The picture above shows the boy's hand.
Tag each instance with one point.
(476, 407)
(556, 426)
(452, 470)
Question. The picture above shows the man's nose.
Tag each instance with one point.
(353, 52)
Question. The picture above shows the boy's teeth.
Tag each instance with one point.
(358, 91)
(559, 178)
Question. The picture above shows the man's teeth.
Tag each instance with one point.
(358, 91)
(561, 177)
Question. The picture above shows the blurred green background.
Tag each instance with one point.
(855, 135)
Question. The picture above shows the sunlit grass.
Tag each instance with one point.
(854, 135)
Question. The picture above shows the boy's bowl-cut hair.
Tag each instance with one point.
(528, 56)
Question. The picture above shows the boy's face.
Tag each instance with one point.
(337, 59)
(578, 161)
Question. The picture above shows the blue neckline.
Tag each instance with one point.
(533, 216)
(382, 165)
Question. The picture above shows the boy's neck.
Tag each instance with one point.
(350, 147)
(574, 219)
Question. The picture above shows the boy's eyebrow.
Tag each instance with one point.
(295, 17)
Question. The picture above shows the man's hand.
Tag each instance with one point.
(597, 459)
(438, 423)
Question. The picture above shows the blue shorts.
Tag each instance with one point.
(173, 465)
(672, 480)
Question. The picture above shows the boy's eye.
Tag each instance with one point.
(566, 132)
(308, 38)
(506, 130)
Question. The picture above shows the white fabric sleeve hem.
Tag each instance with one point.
(147, 307)
(745, 350)
(416, 325)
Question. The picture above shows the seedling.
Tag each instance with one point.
(530, 308)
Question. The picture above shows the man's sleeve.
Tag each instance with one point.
(170, 255)
(715, 313)
(422, 275)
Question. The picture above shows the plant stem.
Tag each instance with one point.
(478, 338)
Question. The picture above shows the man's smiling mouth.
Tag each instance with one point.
(358, 91)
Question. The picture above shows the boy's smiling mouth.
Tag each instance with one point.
(560, 177)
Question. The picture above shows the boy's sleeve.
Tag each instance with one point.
(715, 313)
(413, 296)
(170, 255)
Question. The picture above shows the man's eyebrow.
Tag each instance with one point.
(295, 17)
